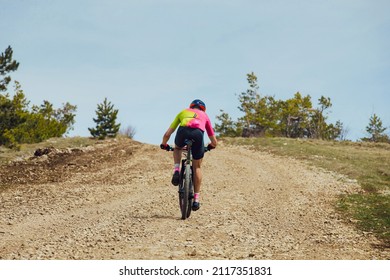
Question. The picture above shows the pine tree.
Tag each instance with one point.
(106, 125)
(20, 124)
(376, 130)
(227, 127)
(7, 65)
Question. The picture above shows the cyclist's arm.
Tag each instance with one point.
(171, 129)
(167, 135)
(211, 133)
(213, 140)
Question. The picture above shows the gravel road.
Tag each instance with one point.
(114, 201)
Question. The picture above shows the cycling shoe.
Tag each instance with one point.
(195, 206)
(175, 178)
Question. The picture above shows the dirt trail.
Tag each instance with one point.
(115, 201)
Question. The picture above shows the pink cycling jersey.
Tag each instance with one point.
(193, 118)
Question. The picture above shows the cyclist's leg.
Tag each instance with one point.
(180, 138)
(179, 144)
(196, 166)
(176, 155)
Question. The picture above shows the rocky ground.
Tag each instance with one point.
(114, 201)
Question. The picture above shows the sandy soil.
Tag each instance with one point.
(115, 201)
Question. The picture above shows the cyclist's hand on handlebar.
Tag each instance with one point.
(165, 147)
(210, 147)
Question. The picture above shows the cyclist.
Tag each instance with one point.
(193, 122)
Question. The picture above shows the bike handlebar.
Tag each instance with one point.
(171, 149)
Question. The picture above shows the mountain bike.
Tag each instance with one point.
(186, 188)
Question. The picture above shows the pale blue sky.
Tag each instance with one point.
(151, 58)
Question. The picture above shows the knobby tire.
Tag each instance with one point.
(188, 190)
(185, 189)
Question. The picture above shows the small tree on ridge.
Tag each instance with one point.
(376, 130)
(106, 125)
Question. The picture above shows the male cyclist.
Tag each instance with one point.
(193, 122)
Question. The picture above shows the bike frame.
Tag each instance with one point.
(186, 188)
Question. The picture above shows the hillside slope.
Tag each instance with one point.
(114, 201)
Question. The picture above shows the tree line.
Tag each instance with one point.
(263, 115)
(21, 122)
(297, 117)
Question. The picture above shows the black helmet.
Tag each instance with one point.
(198, 103)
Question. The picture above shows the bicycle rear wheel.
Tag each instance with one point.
(190, 195)
(182, 200)
(185, 196)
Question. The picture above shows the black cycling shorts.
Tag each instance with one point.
(188, 133)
